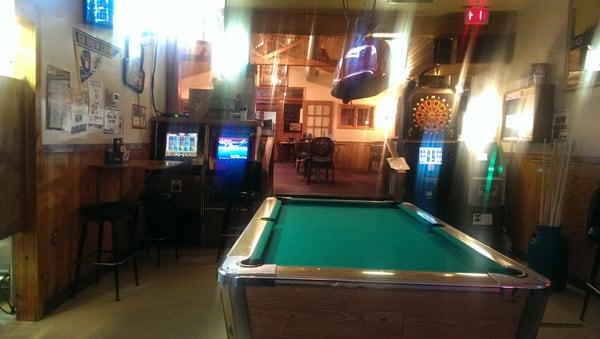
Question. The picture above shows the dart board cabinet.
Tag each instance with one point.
(430, 115)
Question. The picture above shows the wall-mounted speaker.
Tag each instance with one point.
(442, 50)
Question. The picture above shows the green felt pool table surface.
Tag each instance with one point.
(364, 235)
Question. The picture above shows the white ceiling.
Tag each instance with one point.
(437, 8)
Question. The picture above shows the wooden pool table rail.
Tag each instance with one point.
(233, 265)
(269, 300)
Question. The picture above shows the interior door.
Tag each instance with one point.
(318, 118)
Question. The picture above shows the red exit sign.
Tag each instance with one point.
(477, 15)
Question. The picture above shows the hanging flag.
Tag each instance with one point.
(92, 54)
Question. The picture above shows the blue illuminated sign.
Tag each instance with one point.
(99, 12)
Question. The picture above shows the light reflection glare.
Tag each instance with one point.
(201, 19)
(482, 117)
(381, 273)
(387, 102)
(230, 54)
(592, 60)
(10, 37)
(477, 275)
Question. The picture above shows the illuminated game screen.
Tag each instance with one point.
(430, 155)
(182, 145)
(232, 148)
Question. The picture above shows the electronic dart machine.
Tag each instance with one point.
(430, 144)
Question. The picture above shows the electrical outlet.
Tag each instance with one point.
(54, 237)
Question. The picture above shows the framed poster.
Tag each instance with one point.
(273, 75)
(138, 116)
(113, 120)
(58, 99)
(133, 67)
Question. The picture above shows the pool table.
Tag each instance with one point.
(333, 268)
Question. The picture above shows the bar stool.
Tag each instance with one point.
(593, 234)
(157, 208)
(240, 193)
(111, 212)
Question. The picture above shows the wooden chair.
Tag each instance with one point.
(321, 157)
(302, 150)
(593, 234)
(376, 154)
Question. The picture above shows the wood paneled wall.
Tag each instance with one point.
(523, 199)
(354, 155)
(65, 182)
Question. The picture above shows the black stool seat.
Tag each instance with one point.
(100, 213)
(106, 210)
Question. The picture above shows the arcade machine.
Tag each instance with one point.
(483, 215)
(209, 148)
(430, 144)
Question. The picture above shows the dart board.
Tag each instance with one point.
(431, 114)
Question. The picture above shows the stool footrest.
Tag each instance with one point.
(592, 287)
(118, 261)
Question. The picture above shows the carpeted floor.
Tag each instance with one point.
(348, 182)
(181, 300)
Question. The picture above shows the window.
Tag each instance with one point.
(359, 117)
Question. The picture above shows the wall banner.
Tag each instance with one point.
(92, 54)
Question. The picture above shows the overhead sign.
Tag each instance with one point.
(477, 15)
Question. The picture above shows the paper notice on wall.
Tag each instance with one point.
(93, 54)
(58, 109)
(79, 113)
(96, 104)
(113, 120)
(138, 116)
(560, 126)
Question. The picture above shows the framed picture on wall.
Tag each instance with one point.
(273, 75)
(133, 67)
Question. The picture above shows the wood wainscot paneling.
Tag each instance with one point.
(46, 253)
(65, 183)
(353, 155)
(523, 200)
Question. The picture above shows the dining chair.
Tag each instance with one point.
(302, 150)
(321, 157)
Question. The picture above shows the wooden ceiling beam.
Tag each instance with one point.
(334, 22)
(285, 48)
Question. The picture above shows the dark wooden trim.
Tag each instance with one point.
(68, 148)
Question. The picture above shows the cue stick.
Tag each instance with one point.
(543, 183)
(569, 150)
